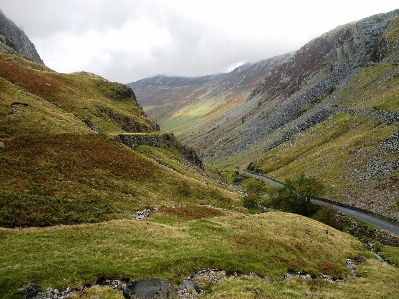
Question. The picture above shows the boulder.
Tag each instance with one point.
(29, 291)
(149, 289)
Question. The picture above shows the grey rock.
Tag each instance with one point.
(360, 259)
(29, 290)
(290, 275)
(149, 289)
(16, 39)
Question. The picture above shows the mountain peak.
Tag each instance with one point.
(14, 38)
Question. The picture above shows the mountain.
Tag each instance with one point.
(190, 107)
(123, 201)
(330, 110)
(14, 39)
(78, 148)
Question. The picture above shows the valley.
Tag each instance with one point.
(104, 184)
(329, 110)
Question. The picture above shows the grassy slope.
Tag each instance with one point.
(56, 170)
(327, 149)
(336, 150)
(175, 243)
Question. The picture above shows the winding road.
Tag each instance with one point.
(356, 214)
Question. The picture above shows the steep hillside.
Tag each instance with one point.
(79, 156)
(14, 39)
(331, 110)
(193, 108)
(61, 159)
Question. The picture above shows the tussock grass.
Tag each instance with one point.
(377, 281)
(68, 178)
(390, 254)
(267, 244)
(381, 83)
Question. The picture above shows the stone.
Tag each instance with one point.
(360, 259)
(29, 290)
(2, 145)
(149, 289)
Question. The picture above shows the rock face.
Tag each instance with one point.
(299, 93)
(150, 289)
(164, 140)
(16, 39)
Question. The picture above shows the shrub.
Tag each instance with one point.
(295, 195)
(250, 201)
(328, 215)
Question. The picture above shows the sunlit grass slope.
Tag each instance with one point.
(178, 242)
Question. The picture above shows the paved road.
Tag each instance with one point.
(364, 217)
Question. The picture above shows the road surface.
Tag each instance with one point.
(359, 215)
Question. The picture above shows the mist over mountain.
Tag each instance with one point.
(14, 38)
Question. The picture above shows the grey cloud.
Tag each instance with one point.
(43, 18)
(195, 50)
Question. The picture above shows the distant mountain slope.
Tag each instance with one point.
(16, 39)
(331, 110)
(190, 106)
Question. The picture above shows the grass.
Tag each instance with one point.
(381, 86)
(55, 170)
(326, 151)
(196, 238)
(72, 178)
(393, 33)
(390, 254)
(377, 281)
(82, 95)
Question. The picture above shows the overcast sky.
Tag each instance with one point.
(128, 40)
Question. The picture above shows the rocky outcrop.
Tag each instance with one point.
(28, 291)
(300, 91)
(150, 289)
(129, 124)
(162, 140)
(14, 38)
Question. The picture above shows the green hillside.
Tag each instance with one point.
(73, 181)
(175, 243)
(353, 152)
(60, 162)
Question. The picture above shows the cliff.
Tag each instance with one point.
(14, 38)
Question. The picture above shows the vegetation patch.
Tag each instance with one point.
(72, 178)
(328, 152)
(191, 212)
(268, 244)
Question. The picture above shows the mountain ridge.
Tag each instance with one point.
(118, 212)
(344, 81)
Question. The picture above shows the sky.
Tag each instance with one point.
(128, 40)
